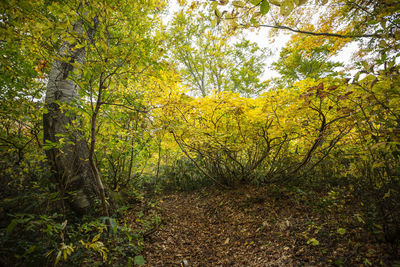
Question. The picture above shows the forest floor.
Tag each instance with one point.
(258, 227)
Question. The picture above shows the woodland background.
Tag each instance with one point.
(105, 109)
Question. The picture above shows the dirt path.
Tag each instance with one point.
(227, 229)
(257, 227)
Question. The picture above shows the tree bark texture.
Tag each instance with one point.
(69, 162)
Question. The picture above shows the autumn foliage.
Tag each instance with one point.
(185, 107)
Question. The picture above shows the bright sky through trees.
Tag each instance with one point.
(274, 43)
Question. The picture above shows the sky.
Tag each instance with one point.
(274, 45)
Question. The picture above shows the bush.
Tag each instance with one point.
(181, 175)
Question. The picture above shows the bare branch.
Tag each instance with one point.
(337, 35)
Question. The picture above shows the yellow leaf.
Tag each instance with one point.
(58, 258)
(96, 238)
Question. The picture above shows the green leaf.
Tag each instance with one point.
(217, 13)
(255, 2)
(139, 260)
(254, 21)
(264, 7)
(387, 195)
(359, 218)
(372, 22)
(365, 65)
(313, 242)
(357, 76)
(367, 262)
(341, 231)
(238, 3)
(338, 263)
(30, 250)
(12, 225)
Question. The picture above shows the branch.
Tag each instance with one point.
(316, 143)
(337, 35)
(124, 106)
(332, 144)
(195, 163)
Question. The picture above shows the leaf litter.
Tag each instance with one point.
(251, 226)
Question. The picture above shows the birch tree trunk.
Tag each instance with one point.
(69, 163)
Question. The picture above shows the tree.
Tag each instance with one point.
(104, 43)
(339, 19)
(69, 162)
(20, 87)
(210, 59)
(304, 57)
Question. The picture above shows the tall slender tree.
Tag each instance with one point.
(69, 162)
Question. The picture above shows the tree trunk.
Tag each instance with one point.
(70, 161)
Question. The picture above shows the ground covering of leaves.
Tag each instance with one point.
(254, 226)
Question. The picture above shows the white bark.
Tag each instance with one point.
(70, 165)
(59, 86)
